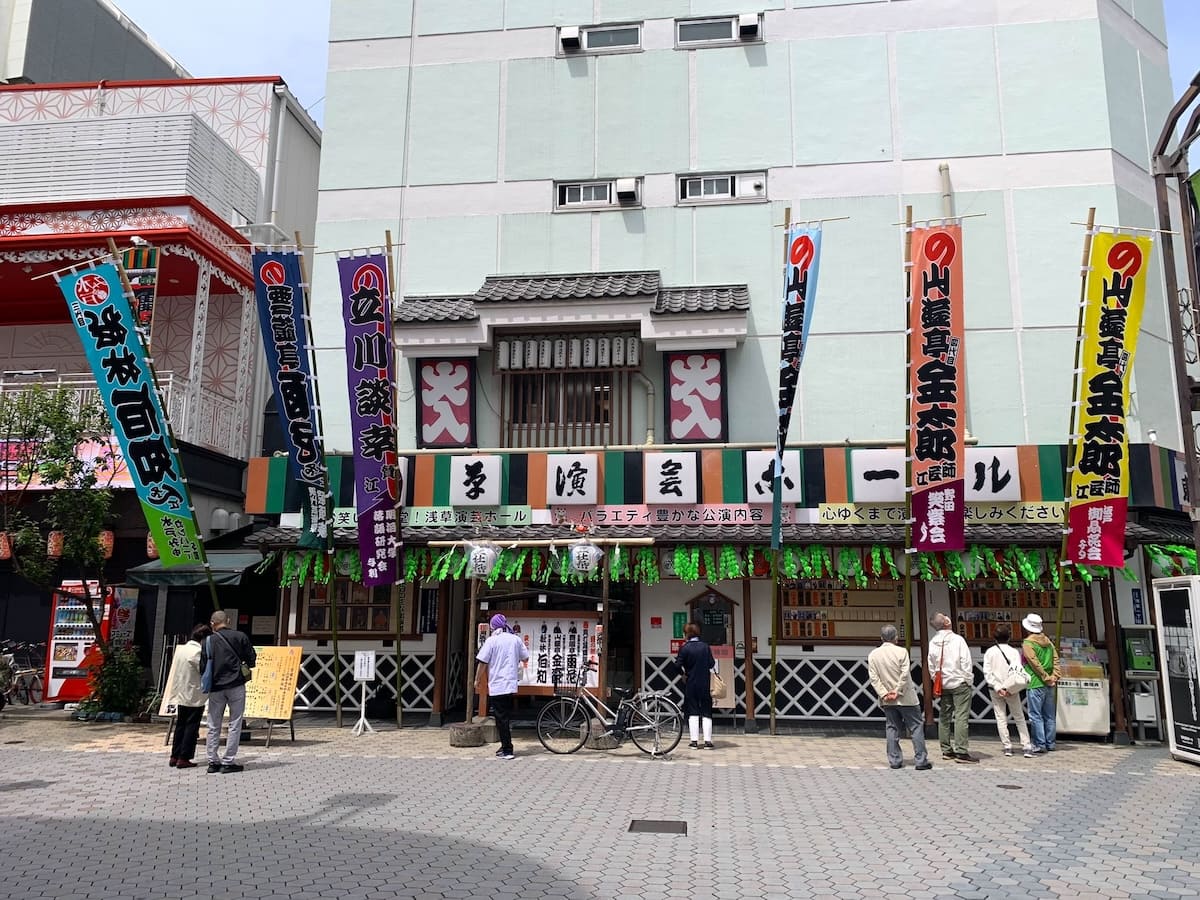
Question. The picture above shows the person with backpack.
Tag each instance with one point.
(232, 659)
(1041, 662)
(1004, 672)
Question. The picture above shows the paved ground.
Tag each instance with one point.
(93, 811)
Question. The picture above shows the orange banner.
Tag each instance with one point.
(937, 388)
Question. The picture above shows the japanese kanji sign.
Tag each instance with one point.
(670, 477)
(572, 479)
(446, 412)
(475, 480)
(280, 297)
(937, 381)
(696, 403)
(105, 322)
(1116, 289)
(370, 368)
(877, 476)
(800, 267)
(141, 268)
(760, 468)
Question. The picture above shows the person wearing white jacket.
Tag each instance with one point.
(186, 695)
(950, 655)
(1000, 663)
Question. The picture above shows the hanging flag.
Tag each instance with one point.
(800, 268)
(1116, 290)
(141, 269)
(937, 389)
(370, 367)
(280, 295)
(104, 320)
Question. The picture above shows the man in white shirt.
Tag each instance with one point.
(950, 655)
(499, 667)
(889, 669)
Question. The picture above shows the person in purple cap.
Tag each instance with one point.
(498, 670)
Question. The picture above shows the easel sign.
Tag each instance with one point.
(364, 671)
(271, 694)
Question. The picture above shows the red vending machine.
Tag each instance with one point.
(72, 649)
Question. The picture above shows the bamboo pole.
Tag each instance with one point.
(391, 289)
(776, 512)
(1069, 481)
(908, 428)
(320, 428)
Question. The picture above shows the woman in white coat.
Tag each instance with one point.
(185, 694)
(1003, 669)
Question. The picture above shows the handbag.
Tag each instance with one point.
(247, 672)
(937, 676)
(717, 686)
(1016, 679)
(207, 675)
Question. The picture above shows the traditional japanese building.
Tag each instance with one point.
(587, 204)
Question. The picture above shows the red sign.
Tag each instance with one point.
(91, 289)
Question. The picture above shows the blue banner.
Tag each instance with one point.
(104, 319)
(279, 292)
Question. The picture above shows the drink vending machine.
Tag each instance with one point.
(71, 649)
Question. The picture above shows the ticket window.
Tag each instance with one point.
(713, 612)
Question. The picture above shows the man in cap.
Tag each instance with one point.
(498, 670)
(1041, 661)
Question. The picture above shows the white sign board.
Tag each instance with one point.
(364, 665)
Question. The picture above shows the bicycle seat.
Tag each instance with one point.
(622, 692)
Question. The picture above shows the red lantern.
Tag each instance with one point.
(106, 541)
(5, 546)
(151, 547)
(54, 545)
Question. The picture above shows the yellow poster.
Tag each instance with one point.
(272, 691)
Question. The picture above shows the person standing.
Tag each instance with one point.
(233, 657)
(499, 664)
(890, 672)
(950, 655)
(188, 698)
(1041, 662)
(696, 660)
(999, 663)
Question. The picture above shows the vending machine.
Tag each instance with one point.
(1177, 607)
(71, 649)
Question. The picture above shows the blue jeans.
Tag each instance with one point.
(1042, 714)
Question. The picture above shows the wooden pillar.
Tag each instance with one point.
(469, 666)
(1116, 661)
(441, 648)
(748, 654)
(602, 674)
(926, 681)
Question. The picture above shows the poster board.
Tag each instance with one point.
(272, 691)
(1176, 606)
(723, 654)
(554, 640)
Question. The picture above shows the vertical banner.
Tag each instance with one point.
(800, 268)
(280, 297)
(141, 268)
(1115, 295)
(370, 367)
(104, 320)
(937, 388)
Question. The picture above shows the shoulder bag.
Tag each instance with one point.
(717, 686)
(937, 676)
(1016, 678)
(207, 675)
(247, 672)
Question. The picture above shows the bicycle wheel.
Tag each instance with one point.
(22, 691)
(563, 725)
(35, 689)
(655, 725)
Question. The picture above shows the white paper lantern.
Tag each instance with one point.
(481, 561)
(585, 558)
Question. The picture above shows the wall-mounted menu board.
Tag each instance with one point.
(816, 610)
(979, 608)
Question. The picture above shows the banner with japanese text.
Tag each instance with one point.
(370, 368)
(1115, 295)
(105, 323)
(937, 388)
(800, 268)
(279, 292)
(141, 270)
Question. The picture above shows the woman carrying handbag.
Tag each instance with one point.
(1004, 672)
(696, 661)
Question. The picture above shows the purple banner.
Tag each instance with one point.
(366, 309)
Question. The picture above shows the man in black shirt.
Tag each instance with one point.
(232, 657)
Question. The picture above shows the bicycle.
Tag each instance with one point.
(648, 718)
(21, 680)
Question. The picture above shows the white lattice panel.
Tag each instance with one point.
(314, 689)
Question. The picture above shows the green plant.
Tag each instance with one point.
(117, 682)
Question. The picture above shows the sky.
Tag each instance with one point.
(288, 38)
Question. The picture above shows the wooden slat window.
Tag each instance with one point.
(560, 409)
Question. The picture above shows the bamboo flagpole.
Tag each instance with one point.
(401, 486)
(777, 499)
(908, 428)
(1072, 437)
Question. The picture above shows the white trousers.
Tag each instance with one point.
(1002, 706)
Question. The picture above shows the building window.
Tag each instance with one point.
(381, 610)
(588, 193)
(621, 37)
(723, 187)
(720, 31)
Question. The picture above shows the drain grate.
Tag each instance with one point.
(658, 826)
(1009, 787)
(14, 742)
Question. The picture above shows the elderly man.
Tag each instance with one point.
(889, 670)
(950, 655)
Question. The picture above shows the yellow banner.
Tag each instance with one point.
(1015, 513)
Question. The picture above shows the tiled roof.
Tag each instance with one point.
(707, 298)
(435, 309)
(512, 288)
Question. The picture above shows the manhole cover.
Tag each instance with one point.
(1009, 787)
(658, 826)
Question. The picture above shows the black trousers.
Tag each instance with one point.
(187, 729)
(502, 708)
